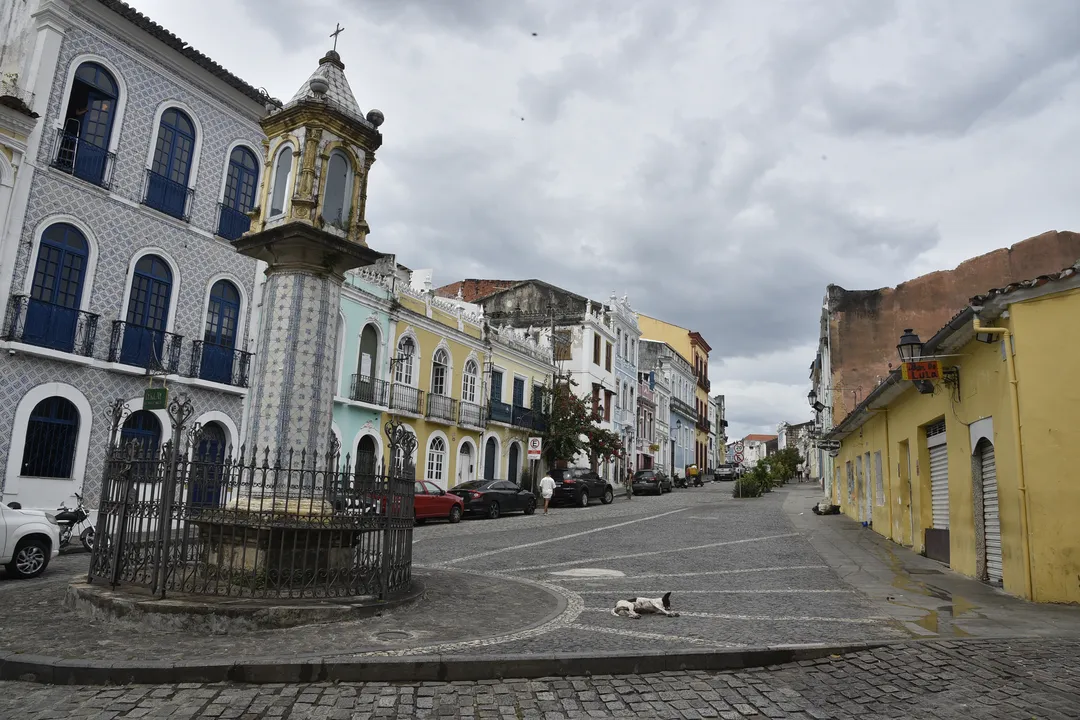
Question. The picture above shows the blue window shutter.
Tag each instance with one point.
(519, 392)
(496, 386)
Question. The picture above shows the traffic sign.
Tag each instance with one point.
(535, 446)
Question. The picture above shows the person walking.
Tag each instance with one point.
(547, 489)
(629, 484)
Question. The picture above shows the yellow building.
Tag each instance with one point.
(692, 346)
(979, 469)
(520, 368)
(437, 385)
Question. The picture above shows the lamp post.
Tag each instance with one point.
(678, 431)
(811, 397)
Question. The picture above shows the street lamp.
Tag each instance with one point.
(910, 346)
(811, 397)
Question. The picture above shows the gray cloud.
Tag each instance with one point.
(720, 163)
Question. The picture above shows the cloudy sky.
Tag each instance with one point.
(720, 162)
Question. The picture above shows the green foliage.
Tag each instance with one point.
(571, 428)
(746, 487)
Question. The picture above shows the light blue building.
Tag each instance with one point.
(678, 376)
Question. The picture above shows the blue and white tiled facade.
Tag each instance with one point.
(119, 230)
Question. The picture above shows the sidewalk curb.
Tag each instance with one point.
(421, 668)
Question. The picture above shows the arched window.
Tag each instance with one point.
(436, 460)
(369, 352)
(82, 147)
(514, 464)
(51, 434)
(468, 382)
(465, 463)
(491, 459)
(336, 195)
(366, 458)
(219, 336)
(282, 176)
(240, 185)
(143, 428)
(148, 314)
(167, 178)
(206, 474)
(52, 310)
(439, 364)
(403, 372)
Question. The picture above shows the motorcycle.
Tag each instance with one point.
(697, 481)
(70, 520)
(679, 481)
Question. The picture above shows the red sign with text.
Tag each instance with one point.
(921, 370)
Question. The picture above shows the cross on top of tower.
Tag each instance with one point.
(337, 31)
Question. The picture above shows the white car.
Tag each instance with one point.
(28, 540)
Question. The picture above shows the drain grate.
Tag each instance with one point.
(392, 635)
(925, 572)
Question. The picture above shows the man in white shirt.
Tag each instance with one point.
(547, 489)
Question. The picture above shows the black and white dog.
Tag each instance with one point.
(644, 606)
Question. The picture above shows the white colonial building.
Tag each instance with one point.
(142, 161)
(625, 417)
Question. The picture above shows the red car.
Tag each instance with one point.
(431, 501)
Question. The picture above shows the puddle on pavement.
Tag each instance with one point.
(938, 621)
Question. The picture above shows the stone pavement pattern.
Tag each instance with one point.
(936, 680)
(739, 571)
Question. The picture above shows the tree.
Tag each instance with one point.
(571, 428)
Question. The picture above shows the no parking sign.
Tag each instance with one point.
(535, 445)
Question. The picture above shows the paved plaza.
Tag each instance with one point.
(742, 573)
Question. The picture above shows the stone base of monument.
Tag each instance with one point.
(220, 615)
(257, 563)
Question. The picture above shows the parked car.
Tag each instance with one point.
(431, 501)
(494, 497)
(725, 472)
(652, 482)
(580, 485)
(29, 539)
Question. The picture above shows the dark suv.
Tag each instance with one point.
(651, 481)
(579, 485)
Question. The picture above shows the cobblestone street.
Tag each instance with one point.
(991, 679)
(741, 573)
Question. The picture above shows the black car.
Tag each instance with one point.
(580, 485)
(494, 497)
(651, 481)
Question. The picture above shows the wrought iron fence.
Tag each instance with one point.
(167, 195)
(36, 322)
(145, 347)
(232, 223)
(368, 389)
(441, 407)
(83, 159)
(501, 412)
(191, 519)
(219, 363)
(407, 398)
(471, 414)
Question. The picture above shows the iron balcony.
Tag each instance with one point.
(220, 363)
(36, 322)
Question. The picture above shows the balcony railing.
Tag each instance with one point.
(522, 417)
(145, 347)
(232, 223)
(441, 407)
(36, 322)
(369, 390)
(220, 363)
(83, 159)
(501, 412)
(471, 414)
(703, 383)
(407, 399)
(168, 196)
(683, 408)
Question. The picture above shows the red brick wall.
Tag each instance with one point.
(865, 325)
(473, 290)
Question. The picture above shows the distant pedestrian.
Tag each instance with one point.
(547, 489)
(629, 484)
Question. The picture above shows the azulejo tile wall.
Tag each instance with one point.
(296, 358)
(120, 227)
(21, 373)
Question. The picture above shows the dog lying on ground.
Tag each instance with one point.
(637, 607)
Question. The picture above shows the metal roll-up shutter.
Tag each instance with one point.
(991, 517)
(939, 474)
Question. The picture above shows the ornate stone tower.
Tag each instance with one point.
(309, 228)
